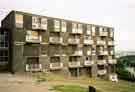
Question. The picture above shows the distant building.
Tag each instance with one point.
(42, 43)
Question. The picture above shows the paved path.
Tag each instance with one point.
(16, 83)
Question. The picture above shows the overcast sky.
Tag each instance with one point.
(119, 14)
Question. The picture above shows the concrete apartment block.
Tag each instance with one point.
(42, 43)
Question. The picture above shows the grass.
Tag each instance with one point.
(70, 88)
(102, 85)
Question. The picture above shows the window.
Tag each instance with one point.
(3, 39)
(43, 49)
(80, 26)
(64, 26)
(35, 20)
(93, 30)
(55, 59)
(88, 29)
(19, 20)
(74, 25)
(57, 23)
(44, 23)
(87, 37)
(101, 29)
(33, 35)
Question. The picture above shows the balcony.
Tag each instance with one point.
(88, 41)
(88, 63)
(89, 52)
(33, 37)
(111, 34)
(35, 25)
(101, 33)
(101, 62)
(35, 22)
(56, 40)
(103, 52)
(112, 52)
(76, 31)
(112, 61)
(43, 23)
(88, 32)
(78, 53)
(101, 42)
(63, 26)
(102, 72)
(110, 43)
(93, 53)
(74, 64)
(56, 66)
(73, 41)
(33, 67)
(56, 30)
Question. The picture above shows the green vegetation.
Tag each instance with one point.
(99, 84)
(41, 77)
(122, 65)
(70, 88)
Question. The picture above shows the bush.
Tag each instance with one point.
(124, 74)
(123, 62)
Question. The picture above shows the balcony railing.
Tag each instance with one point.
(33, 67)
(88, 41)
(73, 64)
(103, 52)
(57, 40)
(76, 31)
(101, 42)
(43, 23)
(56, 66)
(88, 32)
(112, 52)
(78, 53)
(36, 25)
(89, 52)
(33, 39)
(102, 72)
(112, 61)
(88, 63)
(73, 41)
(101, 33)
(111, 43)
(56, 30)
(111, 34)
(101, 62)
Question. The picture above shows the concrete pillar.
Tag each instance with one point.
(78, 72)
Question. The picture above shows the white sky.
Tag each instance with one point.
(117, 13)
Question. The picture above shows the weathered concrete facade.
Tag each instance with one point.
(41, 43)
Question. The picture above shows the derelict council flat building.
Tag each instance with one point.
(42, 43)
